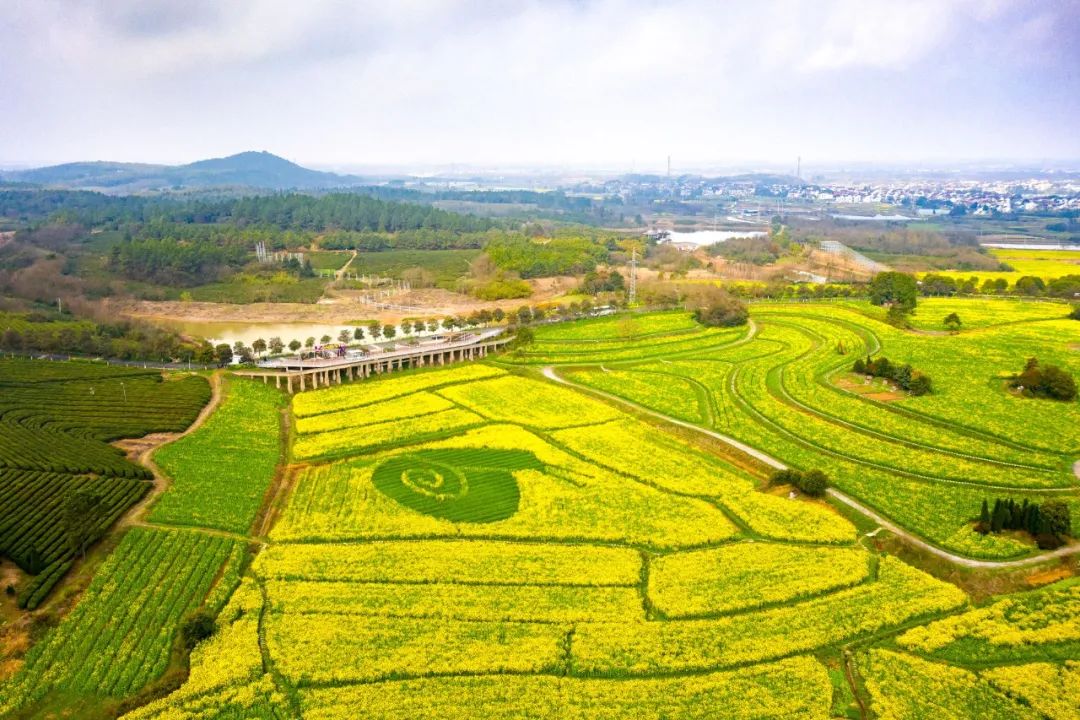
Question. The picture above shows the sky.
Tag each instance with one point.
(567, 83)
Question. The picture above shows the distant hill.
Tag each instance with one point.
(247, 169)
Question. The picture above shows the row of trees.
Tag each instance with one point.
(933, 285)
(1050, 523)
(224, 354)
(347, 211)
(122, 340)
(909, 379)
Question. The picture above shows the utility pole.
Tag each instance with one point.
(669, 166)
(633, 277)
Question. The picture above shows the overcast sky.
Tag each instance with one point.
(578, 83)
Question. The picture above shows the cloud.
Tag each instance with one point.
(557, 80)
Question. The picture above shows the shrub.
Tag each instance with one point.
(1075, 314)
(920, 385)
(197, 627)
(905, 376)
(812, 482)
(1047, 381)
(1066, 286)
(721, 310)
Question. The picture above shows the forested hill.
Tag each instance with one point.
(260, 170)
(335, 211)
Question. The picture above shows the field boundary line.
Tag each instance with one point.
(851, 502)
(856, 427)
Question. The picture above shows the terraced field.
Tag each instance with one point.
(482, 542)
(55, 422)
(788, 392)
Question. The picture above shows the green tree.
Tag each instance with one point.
(204, 354)
(259, 346)
(358, 333)
(1029, 285)
(952, 322)
(983, 525)
(389, 331)
(325, 339)
(1066, 286)
(276, 345)
(897, 316)
(1056, 518)
(345, 336)
(197, 627)
(224, 354)
(813, 483)
(893, 289)
(524, 336)
(309, 343)
(937, 285)
(374, 329)
(295, 345)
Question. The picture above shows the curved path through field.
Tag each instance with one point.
(912, 539)
(135, 514)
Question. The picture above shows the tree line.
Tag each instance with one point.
(1050, 523)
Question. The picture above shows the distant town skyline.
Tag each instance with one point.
(608, 84)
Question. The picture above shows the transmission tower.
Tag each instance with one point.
(633, 278)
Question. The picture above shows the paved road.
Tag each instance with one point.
(549, 372)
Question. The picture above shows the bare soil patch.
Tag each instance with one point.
(887, 396)
(338, 306)
(873, 390)
(136, 448)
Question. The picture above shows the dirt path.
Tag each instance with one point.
(141, 450)
(851, 502)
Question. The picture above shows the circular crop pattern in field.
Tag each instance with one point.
(460, 485)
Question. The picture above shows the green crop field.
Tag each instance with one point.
(506, 539)
(327, 260)
(221, 471)
(446, 266)
(787, 392)
(56, 419)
